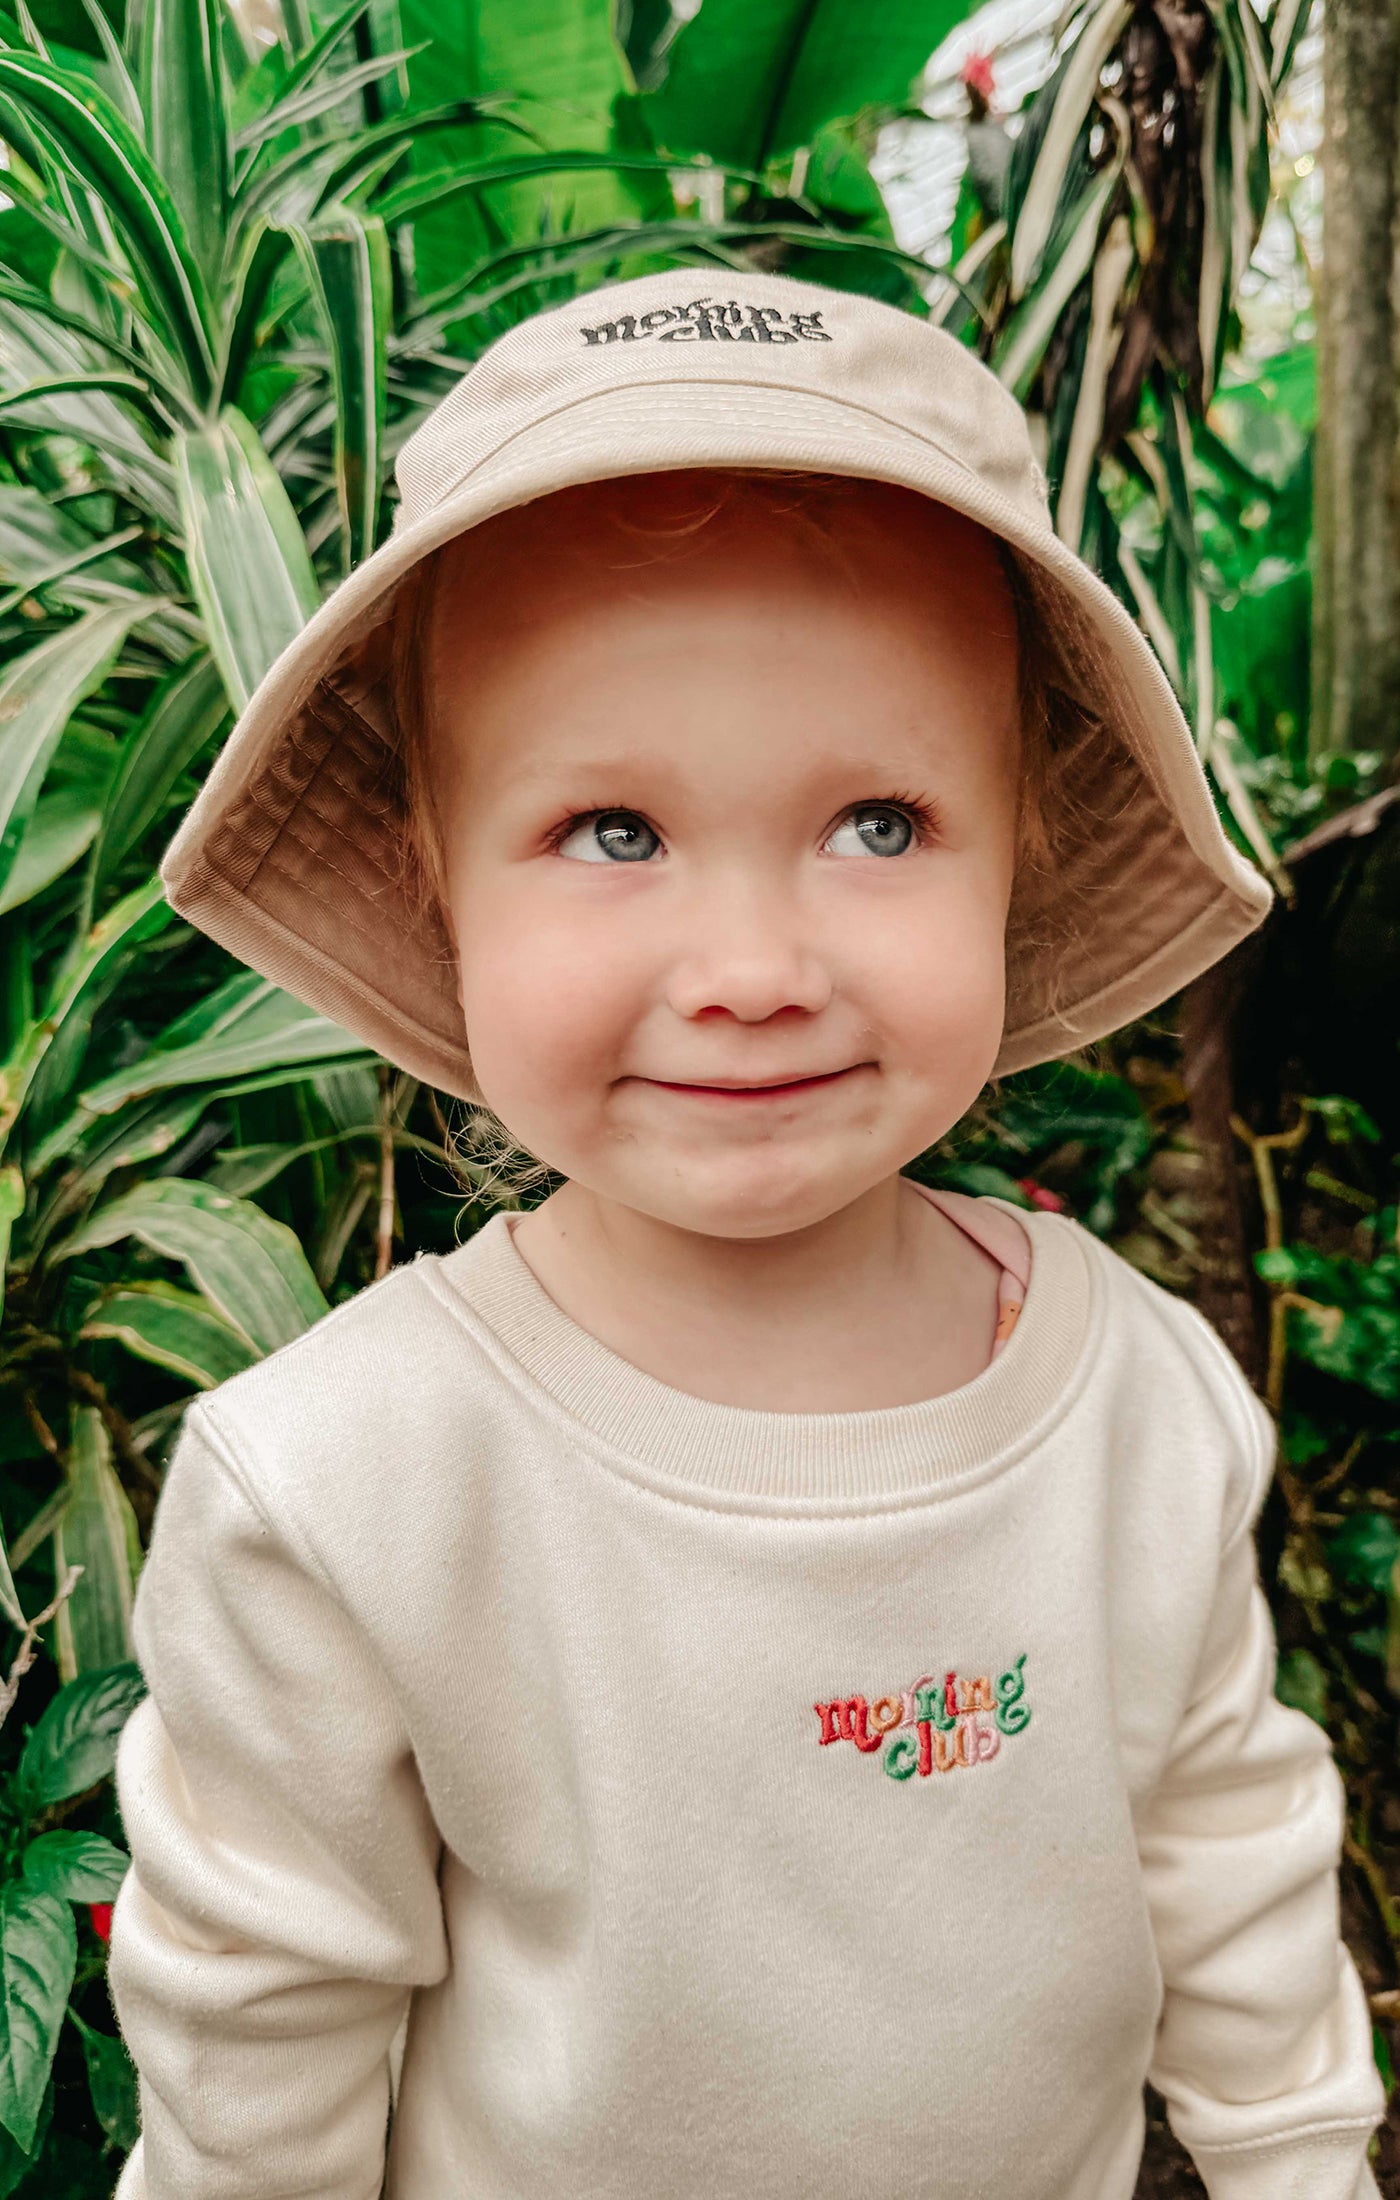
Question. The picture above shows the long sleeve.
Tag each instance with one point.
(283, 1898)
(1263, 2055)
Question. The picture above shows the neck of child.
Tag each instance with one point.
(883, 1302)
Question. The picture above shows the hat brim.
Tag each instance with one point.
(292, 855)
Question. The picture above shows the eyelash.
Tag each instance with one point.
(924, 816)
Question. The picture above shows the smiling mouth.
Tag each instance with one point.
(774, 1091)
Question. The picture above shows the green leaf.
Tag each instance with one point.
(1038, 213)
(1302, 1683)
(9, 1595)
(103, 152)
(40, 338)
(183, 99)
(77, 1867)
(12, 1198)
(92, 1627)
(293, 110)
(306, 68)
(750, 79)
(26, 404)
(559, 64)
(345, 257)
(423, 195)
(74, 1744)
(1345, 1121)
(39, 538)
(1068, 262)
(183, 717)
(38, 1956)
(39, 691)
(247, 1025)
(79, 987)
(63, 827)
(1365, 1549)
(171, 1328)
(111, 2082)
(249, 566)
(251, 1269)
(16, 2162)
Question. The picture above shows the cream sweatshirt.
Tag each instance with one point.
(736, 1805)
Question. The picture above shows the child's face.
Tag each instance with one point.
(801, 875)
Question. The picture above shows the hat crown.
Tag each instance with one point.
(689, 325)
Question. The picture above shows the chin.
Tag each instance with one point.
(764, 1196)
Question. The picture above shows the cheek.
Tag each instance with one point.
(547, 1002)
(937, 982)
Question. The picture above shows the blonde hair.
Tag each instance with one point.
(814, 502)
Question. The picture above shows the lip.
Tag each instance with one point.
(779, 1089)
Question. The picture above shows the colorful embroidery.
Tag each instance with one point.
(956, 1721)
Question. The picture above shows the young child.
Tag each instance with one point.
(747, 1681)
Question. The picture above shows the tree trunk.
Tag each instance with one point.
(1356, 602)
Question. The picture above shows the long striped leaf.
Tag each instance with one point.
(38, 694)
(1028, 332)
(106, 155)
(333, 171)
(183, 717)
(264, 1028)
(257, 252)
(63, 827)
(345, 256)
(1038, 211)
(97, 1532)
(41, 341)
(172, 1329)
(9, 1596)
(410, 201)
(184, 100)
(1111, 270)
(83, 982)
(250, 570)
(251, 1269)
(293, 110)
(119, 75)
(309, 63)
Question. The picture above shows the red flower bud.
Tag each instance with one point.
(101, 1915)
(1039, 1196)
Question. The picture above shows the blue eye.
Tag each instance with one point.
(610, 836)
(875, 829)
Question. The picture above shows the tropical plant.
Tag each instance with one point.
(231, 281)
(1098, 271)
(229, 285)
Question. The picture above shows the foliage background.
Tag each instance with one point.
(238, 260)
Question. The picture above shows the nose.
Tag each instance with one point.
(747, 957)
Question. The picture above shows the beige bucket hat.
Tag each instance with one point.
(291, 856)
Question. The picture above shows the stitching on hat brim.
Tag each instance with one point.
(236, 921)
(1106, 1010)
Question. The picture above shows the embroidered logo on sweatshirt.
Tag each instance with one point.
(705, 322)
(932, 1726)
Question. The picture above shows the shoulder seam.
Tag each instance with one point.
(221, 1441)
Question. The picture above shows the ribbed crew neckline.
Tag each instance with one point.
(823, 1459)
